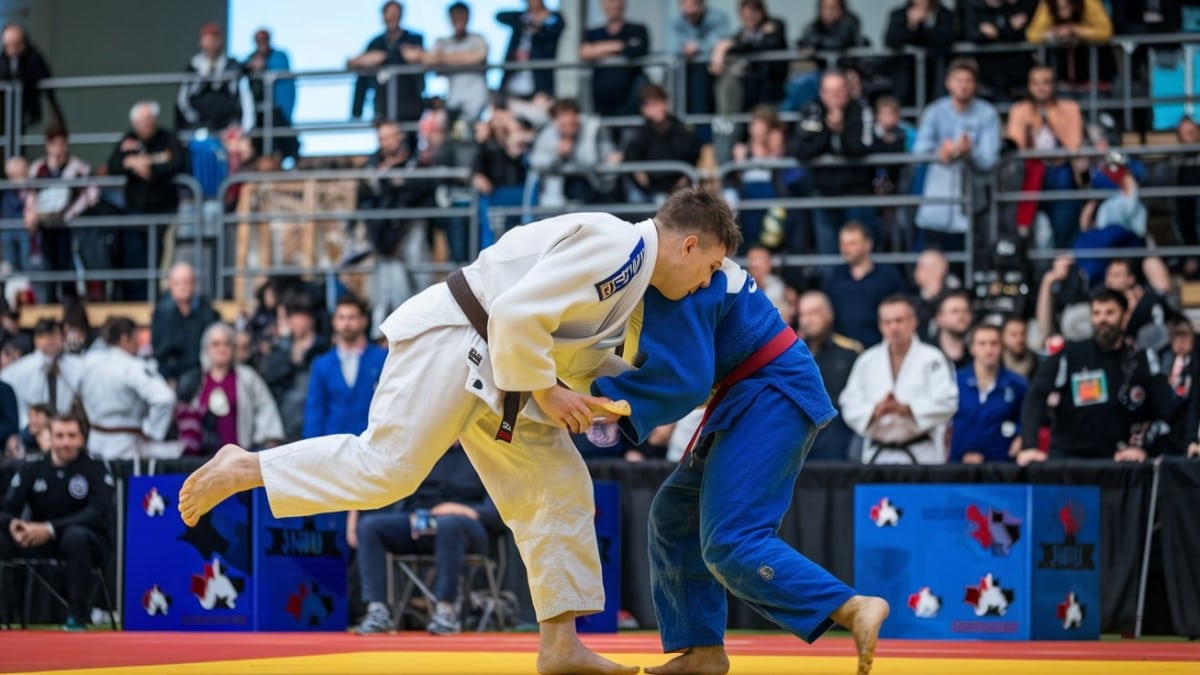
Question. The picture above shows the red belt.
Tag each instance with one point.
(765, 354)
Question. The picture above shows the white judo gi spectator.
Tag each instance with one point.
(127, 402)
(552, 299)
(901, 393)
(45, 375)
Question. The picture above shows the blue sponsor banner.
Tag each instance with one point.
(1066, 563)
(608, 536)
(301, 563)
(180, 578)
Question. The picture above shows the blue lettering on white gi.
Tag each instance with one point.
(621, 278)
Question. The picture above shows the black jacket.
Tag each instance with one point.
(78, 494)
(1100, 396)
(453, 479)
(543, 45)
(844, 34)
(176, 338)
(939, 37)
(814, 139)
(673, 142)
(764, 79)
(159, 194)
(980, 11)
(31, 69)
(834, 361)
(408, 90)
(10, 424)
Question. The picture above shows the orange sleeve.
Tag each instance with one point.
(1040, 25)
(1096, 26)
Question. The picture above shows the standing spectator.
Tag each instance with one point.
(1045, 122)
(149, 157)
(836, 126)
(662, 137)
(49, 211)
(927, 25)
(1098, 390)
(1073, 25)
(466, 55)
(343, 378)
(962, 131)
(23, 63)
(615, 88)
(953, 321)
(180, 318)
(219, 95)
(567, 153)
(127, 402)
(693, 35)
(46, 375)
(1018, 357)
(69, 498)
(987, 426)
(12, 208)
(999, 22)
(267, 59)
(900, 393)
(396, 46)
(226, 403)
(835, 356)
(758, 264)
(286, 369)
(741, 84)
(858, 287)
(834, 29)
(535, 34)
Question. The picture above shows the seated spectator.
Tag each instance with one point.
(10, 423)
(179, 319)
(149, 157)
(266, 58)
(396, 46)
(1018, 357)
(396, 238)
(758, 264)
(662, 137)
(287, 367)
(834, 29)
(500, 170)
(1179, 363)
(999, 22)
(15, 240)
(841, 128)
(858, 287)
(741, 84)
(694, 35)
(30, 375)
(225, 402)
(535, 35)
(900, 393)
(23, 63)
(69, 499)
(953, 322)
(765, 140)
(987, 426)
(35, 435)
(1045, 122)
(467, 87)
(1098, 390)
(127, 402)
(924, 24)
(78, 336)
(217, 96)
(1116, 222)
(933, 280)
(343, 379)
(1073, 25)
(1146, 321)
(1187, 173)
(449, 516)
(567, 153)
(835, 355)
(615, 88)
(892, 135)
(960, 129)
(49, 211)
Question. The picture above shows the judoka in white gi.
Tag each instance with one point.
(558, 291)
(900, 393)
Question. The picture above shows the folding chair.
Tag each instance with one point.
(412, 567)
(31, 565)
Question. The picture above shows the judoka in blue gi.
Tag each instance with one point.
(714, 522)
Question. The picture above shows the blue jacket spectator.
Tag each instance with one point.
(987, 426)
(343, 379)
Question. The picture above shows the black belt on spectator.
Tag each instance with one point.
(460, 290)
(900, 447)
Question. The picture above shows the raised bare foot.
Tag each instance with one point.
(579, 660)
(710, 660)
(863, 615)
(230, 471)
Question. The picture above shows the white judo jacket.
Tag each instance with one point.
(558, 293)
(926, 383)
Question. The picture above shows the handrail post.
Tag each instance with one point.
(268, 113)
(968, 203)
(474, 224)
(1094, 77)
(919, 78)
(393, 111)
(1127, 48)
(8, 121)
(18, 118)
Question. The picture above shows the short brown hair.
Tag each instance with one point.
(563, 105)
(887, 102)
(700, 211)
(984, 327)
(964, 63)
(653, 92)
(71, 418)
(352, 300)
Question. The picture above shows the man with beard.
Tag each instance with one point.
(953, 320)
(1099, 389)
(344, 378)
(1018, 357)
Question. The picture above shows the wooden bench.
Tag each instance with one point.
(98, 313)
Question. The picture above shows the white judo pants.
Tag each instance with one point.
(539, 482)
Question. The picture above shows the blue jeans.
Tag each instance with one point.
(714, 526)
(390, 532)
(16, 248)
(1063, 215)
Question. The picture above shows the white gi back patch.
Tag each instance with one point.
(621, 278)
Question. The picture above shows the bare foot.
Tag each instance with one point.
(695, 661)
(579, 661)
(863, 615)
(230, 471)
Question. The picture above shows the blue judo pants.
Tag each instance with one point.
(714, 526)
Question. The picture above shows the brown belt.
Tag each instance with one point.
(460, 290)
(116, 430)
